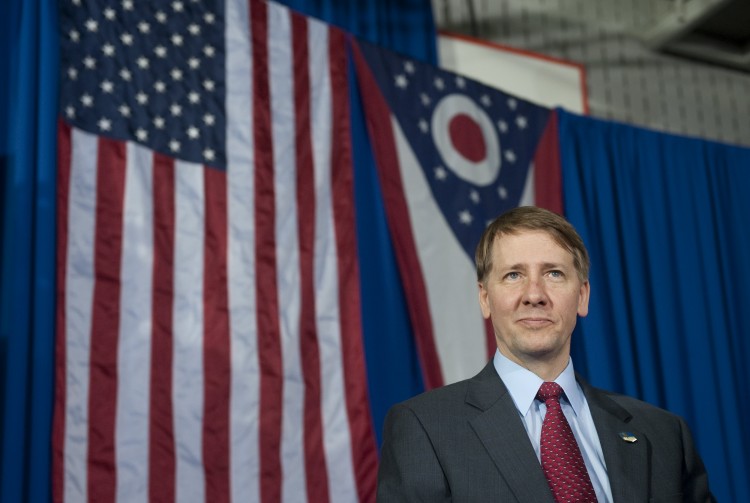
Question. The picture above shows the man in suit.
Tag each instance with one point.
(493, 438)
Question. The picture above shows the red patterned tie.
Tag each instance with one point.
(561, 458)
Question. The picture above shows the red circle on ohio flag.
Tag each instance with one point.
(466, 139)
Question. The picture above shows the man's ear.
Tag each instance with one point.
(484, 301)
(583, 299)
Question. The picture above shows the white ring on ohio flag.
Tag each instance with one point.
(483, 172)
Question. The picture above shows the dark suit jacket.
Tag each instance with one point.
(466, 442)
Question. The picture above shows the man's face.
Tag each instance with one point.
(532, 295)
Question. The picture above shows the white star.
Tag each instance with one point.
(160, 51)
(512, 103)
(176, 39)
(107, 86)
(125, 74)
(141, 134)
(91, 25)
(176, 74)
(502, 126)
(104, 124)
(159, 122)
(160, 86)
(510, 156)
(87, 100)
(460, 82)
(194, 97)
(486, 100)
(142, 62)
(194, 29)
(193, 132)
(209, 119)
(89, 62)
(70, 112)
(439, 83)
(209, 51)
(425, 99)
(175, 109)
(194, 63)
(110, 13)
(209, 18)
(178, 6)
(124, 110)
(161, 17)
(400, 81)
(209, 85)
(74, 35)
(409, 66)
(441, 173)
(77, 2)
(502, 192)
(208, 154)
(423, 126)
(127, 38)
(127, 4)
(144, 27)
(141, 98)
(72, 73)
(108, 50)
(474, 196)
(521, 122)
(174, 146)
(465, 217)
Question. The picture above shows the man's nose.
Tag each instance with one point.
(534, 293)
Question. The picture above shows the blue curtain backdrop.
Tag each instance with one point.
(667, 222)
(394, 372)
(28, 89)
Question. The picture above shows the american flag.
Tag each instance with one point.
(452, 155)
(208, 325)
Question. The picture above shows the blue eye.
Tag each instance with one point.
(556, 274)
(512, 275)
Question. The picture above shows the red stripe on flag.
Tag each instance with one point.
(161, 433)
(216, 358)
(389, 171)
(105, 321)
(363, 446)
(315, 461)
(547, 170)
(269, 342)
(58, 426)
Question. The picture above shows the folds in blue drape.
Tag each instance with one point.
(28, 44)
(667, 222)
(393, 368)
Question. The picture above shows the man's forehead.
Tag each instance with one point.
(532, 243)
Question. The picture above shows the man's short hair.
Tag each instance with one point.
(532, 218)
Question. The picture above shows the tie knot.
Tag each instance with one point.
(549, 390)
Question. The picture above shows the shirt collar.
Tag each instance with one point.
(523, 384)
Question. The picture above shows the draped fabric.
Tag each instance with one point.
(405, 26)
(667, 222)
(28, 90)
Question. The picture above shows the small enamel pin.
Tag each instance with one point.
(628, 437)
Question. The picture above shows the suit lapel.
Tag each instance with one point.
(627, 462)
(502, 433)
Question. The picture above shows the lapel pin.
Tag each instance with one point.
(628, 437)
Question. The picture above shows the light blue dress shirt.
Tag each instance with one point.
(523, 386)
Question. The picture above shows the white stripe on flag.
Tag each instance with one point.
(336, 435)
(79, 289)
(245, 383)
(281, 76)
(134, 363)
(449, 274)
(188, 331)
